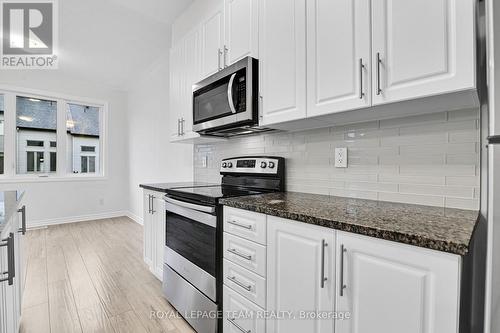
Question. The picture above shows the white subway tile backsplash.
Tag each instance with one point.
(428, 159)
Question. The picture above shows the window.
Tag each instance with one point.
(36, 124)
(83, 127)
(34, 161)
(34, 143)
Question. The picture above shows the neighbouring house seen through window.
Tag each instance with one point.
(83, 128)
(1, 133)
(36, 126)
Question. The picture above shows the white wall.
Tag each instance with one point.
(65, 201)
(152, 157)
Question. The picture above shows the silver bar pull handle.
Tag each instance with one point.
(11, 268)
(232, 321)
(324, 244)
(22, 230)
(246, 226)
(182, 126)
(343, 250)
(379, 61)
(239, 254)
(225, 55)
(361, 70)
(230, 93)
(153, 204)
(241, 284)
(178, 126)
(261, 107)
(218, 59)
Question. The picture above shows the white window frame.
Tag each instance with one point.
(63, 170)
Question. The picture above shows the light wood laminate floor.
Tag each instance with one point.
(90, 277)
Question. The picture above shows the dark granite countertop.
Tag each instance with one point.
(163, 187)
(442, 229)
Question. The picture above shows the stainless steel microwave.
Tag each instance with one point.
(226, 103)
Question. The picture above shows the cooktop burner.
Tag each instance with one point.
(210, 194)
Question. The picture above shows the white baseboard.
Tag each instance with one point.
(72, 219)
(137, 219)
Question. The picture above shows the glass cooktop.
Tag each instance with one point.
(210, 194)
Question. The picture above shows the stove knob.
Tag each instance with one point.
(224, 164)
(271, 165)
(229, 165)
(263, 165)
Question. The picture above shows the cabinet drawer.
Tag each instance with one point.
(241, 314)
(245, 253)
(248, 284)
(246, 224)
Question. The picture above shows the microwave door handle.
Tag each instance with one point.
(230, 93)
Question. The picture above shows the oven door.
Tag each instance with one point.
(226, 98)
(191, 244)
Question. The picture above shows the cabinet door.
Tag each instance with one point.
(282, 51)
(9, 314)
(212, 44)
(191, 75)
(241, 29)
(338, 56)
(159, 221)
(148, 232)
(425, 47)
(299, 257)
(176, 67)
(394, 288)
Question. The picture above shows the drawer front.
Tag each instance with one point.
(241, 315)
(246, 224)
(245, 253)
(246, 283)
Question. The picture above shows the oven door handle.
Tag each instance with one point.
(230, 93)
(206, 209)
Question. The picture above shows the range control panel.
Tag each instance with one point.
(261, 165)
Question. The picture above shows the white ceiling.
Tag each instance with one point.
(111, 42)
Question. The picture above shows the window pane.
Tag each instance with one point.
(30, 161)
(1, 133)
(84, 164)
(91, 163)
(53, 161)
(53, 144)
(83, 127)
(36, 123)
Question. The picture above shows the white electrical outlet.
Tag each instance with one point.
(341, 157)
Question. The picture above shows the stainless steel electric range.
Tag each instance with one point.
(192, 272)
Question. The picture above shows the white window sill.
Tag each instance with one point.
(49, 179)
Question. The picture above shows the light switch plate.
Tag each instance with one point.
(341, 157)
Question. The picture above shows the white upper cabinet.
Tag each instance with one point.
(425, 47)
(212, 43)
(241, 30)
(176, 66)
(394, 288)
(282, 51)
(339, 56)
(300, 274)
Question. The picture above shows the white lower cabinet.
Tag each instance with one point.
(154, 221)
(355, 283)
(300, 275)
(394, 288)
